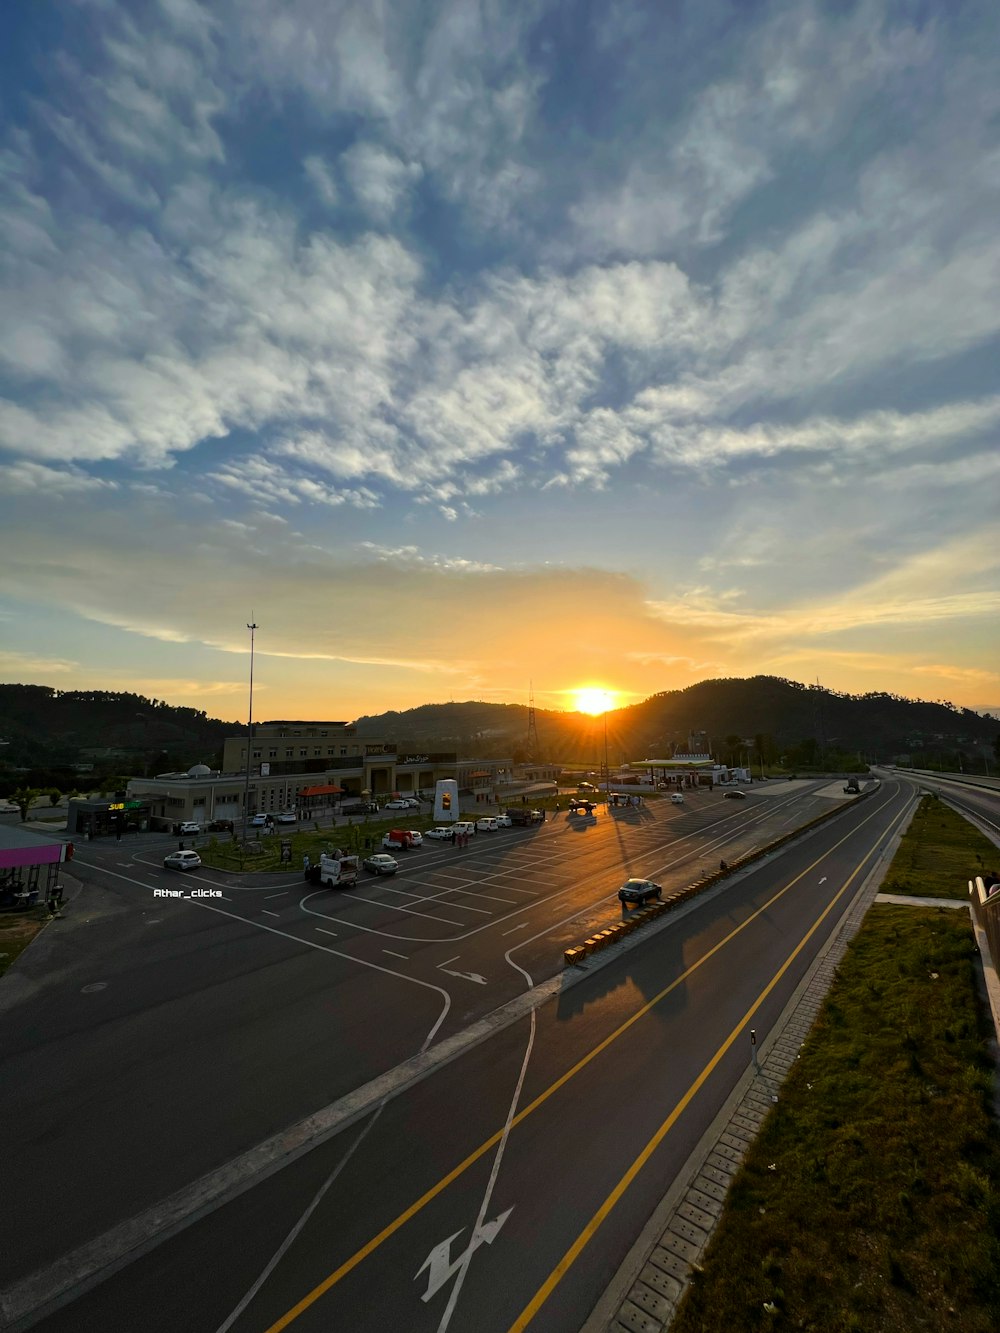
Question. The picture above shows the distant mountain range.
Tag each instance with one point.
(762, 716)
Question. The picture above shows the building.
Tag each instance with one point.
(308, 767)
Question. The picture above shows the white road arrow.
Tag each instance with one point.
(467, 976)
(823, 880)
(439, 1261)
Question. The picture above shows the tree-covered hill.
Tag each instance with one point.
(46, 727)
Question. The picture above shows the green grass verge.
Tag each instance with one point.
(17, 930)
(871, 1198)
(939, 854)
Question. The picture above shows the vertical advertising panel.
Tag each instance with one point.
(446, 801)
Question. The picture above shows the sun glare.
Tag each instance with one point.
(593, 701)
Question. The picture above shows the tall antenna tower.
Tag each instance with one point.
(532, 725)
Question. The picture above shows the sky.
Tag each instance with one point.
(476, 350)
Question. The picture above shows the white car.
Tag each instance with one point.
(396, 805)
(445, 834)
(182, 861)
(487, 823)
(260, 821)
(676, 798)
(287, 818)
(503, 821)
(189, 826)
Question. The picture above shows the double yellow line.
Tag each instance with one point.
(574, 1251)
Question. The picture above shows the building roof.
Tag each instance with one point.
(24, 847)
(320, 791)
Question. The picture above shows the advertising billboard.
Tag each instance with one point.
(446, 801)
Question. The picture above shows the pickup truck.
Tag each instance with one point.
(399, 839)
(520, 814)
(335, 872)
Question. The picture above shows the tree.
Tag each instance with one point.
(24, 798)
(54, 795)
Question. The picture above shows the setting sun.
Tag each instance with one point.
(592, 700)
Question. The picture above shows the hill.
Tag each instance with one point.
(800, 721)
(767, 716)
(46, 728)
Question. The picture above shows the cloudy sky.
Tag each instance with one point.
(470, 346)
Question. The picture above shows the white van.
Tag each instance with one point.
(676, 798)
(464, 826)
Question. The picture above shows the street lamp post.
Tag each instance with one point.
(246, 788)
(607, 769)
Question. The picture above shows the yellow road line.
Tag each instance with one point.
(574, 1251)
(392, 1227)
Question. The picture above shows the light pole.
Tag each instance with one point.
(246, 788)
(607, 770)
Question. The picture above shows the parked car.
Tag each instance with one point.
(486, 823)
(401, 838)
(360, 808)
(676, 798)
(287, 817)
(221, 826)
(504, 821)
(381, 864)
(410, 802)
(735, 795)
(260, 821)
(189, 826)
(397, 805)
(639, 891)
(182, 860)
(586, 786)
(445, 834)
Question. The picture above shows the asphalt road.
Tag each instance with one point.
(221, 1024)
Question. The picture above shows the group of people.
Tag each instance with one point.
(460, 839)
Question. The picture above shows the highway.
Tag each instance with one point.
(520, 1140)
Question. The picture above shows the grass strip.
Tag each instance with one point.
(871, 1198)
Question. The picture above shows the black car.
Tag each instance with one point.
(359, 808)
(735, 795)
(639, 891)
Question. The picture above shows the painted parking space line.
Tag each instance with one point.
(323, 931)
(422, 898)
(282, 894)
(393, 954)
(269, 913)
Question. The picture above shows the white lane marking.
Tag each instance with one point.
(392, 952)
(522, 926)
(267, 913)
(443, 1267)
(450, 960)
(424, 916)
(326, 932)
(276, 895)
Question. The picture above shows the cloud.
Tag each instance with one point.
(380, 181)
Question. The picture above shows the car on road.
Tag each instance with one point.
(182, 860)
(360, 808)
(189, 826)
(639, 891)
(735, 795)
(586, 786)
(445, 834)
(221, 826)
(504, 821)
(287, 817)
(381, 864)
(397, 805)
(487, 823)
(676, 798)
(260, 821)
(579, 807)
